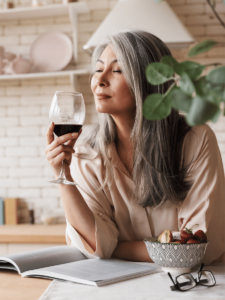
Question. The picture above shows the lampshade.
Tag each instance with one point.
(156, 18)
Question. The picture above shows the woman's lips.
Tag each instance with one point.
(103, 97)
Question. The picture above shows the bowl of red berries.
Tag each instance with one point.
(177, 252)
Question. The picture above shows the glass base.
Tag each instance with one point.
(63, 181)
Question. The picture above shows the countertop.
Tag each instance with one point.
(23, 288)
(154, 286)
(33, 233)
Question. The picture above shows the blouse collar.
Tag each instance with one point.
(115, 160)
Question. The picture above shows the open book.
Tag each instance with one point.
(68, 263)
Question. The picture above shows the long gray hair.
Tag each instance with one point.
(157, 144)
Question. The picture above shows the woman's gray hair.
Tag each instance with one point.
(155, 171)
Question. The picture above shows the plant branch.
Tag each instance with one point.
(215, 13)
(215, 64)
(169, 89)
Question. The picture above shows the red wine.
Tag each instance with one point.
(61, 129)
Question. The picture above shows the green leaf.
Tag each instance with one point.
(217, 75)
(201, 111)
(202, 47)
(215, 118)
(218, 94)
(222, 96)
(186, 84)
(202, 86)
(169, 60)
(213, 97)
(179, 100)
(193, 69)
(214, 94)
(156, 107)
(158, 73)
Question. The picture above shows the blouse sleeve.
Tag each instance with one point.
(85, 173)
(205, 202)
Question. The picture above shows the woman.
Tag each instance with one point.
(136, 177)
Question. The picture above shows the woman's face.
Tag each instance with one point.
(110, 89)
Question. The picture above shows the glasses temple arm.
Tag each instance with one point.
(201, 267)
(171, 278)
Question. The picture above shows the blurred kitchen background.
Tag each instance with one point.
(25, 99)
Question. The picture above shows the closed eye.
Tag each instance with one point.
(118, 71)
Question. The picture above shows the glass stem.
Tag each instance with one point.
(62, 174)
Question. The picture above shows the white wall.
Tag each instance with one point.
(24, 105)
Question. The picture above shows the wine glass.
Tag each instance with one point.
(67, 111)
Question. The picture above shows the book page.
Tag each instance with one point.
(94, 269)
(36, 259)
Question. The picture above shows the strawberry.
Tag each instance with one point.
(177, 242)
(186, 234)
(200, 236)
(193, 241)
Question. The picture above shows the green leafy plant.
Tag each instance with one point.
(199, 97)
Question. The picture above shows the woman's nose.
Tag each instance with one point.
(102, 79)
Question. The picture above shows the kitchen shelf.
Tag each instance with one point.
(72, 9)
(71, 73)
(43, 11)
(43, 75)
(36, 233)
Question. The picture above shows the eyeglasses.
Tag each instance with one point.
(185, 282)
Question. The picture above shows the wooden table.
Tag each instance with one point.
(15, 287)
(26, 237)
(12, 285)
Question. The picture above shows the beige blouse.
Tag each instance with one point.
(117, 218)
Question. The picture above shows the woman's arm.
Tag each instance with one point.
(205, 202)
(78, 213)
(133, 251)
(76, 209)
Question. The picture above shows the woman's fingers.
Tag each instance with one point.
(71, 143)
(50, 135)
(61, 148)
(56, 151)
(61, 140)
(57, 161)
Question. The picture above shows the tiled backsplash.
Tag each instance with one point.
(24, 105)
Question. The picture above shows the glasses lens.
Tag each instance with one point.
(185, 282)
(206, 278)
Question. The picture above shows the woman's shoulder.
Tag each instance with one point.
(199, 139)
(199, 136)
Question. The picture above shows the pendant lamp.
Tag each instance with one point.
(156, 18)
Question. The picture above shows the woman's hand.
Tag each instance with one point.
(56, 151)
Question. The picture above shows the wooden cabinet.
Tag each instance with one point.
(25, 237)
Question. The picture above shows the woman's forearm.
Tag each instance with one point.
(78, 213)
(133, 251)
(76, 209)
